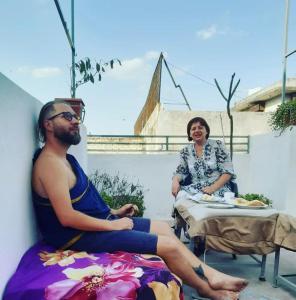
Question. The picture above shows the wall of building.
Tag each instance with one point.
(18, 141)
(162, 122)
(270, 106)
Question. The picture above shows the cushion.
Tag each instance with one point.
(47, 273)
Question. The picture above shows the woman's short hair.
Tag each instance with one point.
(46, 111)
(202, 122)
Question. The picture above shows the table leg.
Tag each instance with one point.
(276, 266)
(263, 267)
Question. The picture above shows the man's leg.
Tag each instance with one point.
(216, 279)
(170, 250)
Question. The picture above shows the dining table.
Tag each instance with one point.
(227, 228)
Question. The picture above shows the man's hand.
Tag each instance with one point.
(208, 190)
(127, 210)
(123, 223)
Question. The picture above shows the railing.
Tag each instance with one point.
(152, 143)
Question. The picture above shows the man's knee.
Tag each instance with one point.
(167, 246)
(161, 227)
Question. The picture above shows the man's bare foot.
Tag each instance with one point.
(225, 282)
(219, 295)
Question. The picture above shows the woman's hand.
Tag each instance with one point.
(217, 184)
(208, 190)
(175, 186)
(126, 210)
(121, 224)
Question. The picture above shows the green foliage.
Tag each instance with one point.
(260, 197)
(284, 116)
(117, 191)
(92, 71)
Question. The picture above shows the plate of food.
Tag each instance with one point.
(210, 199)
(246, 204)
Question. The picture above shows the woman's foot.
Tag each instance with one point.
(219, 295)
(226, 282)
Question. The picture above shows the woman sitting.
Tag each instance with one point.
(206, 163)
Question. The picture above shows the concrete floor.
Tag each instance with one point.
(244, 266)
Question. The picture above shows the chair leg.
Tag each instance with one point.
(199, 246)
(178, 230)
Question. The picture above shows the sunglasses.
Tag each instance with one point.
(67, 116)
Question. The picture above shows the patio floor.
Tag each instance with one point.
(244, 266)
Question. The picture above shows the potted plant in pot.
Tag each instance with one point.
(284, 117)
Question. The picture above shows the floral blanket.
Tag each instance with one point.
(45, 273)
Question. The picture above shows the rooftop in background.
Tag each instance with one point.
(268, 98)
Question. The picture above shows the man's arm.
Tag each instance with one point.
(54, 180)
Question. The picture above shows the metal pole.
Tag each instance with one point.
(70, 40)
(73, 50)
(64, 23)
(285, 51)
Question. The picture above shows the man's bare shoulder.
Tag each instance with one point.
(48, 170)
(48, 163)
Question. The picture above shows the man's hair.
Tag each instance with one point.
(46, 111)
(202, 122)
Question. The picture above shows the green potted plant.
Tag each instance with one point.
(118, 190)
(284, 117)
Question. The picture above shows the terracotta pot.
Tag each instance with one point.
(76, 104)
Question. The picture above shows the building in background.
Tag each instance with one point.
(268, 98)
(250, 115)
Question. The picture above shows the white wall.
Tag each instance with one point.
(153, 171)
(18, 115)
(18, 141)
(272, 167)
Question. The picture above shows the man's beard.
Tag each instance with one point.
(67, 137)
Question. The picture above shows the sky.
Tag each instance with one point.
(201, 40)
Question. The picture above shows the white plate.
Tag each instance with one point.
(220, 205)
(210, 201)
(250, 207)
(214, 200)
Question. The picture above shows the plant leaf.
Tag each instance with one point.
(81, 67)
(88, 64)
(98, 67)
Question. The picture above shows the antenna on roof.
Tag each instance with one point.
(176, 85)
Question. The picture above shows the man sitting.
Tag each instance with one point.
(72, 214)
